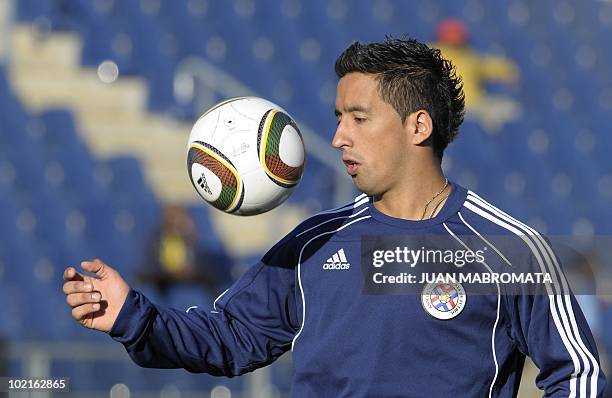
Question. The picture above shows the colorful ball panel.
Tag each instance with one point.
(230, 196)
(274, 125)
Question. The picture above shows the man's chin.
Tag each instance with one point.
(362, 186)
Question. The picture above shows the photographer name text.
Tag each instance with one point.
(470, 278)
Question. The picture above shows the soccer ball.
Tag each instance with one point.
(245, 156)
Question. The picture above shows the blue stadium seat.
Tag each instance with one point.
(131, 192)
(28, 10)
(13, 317)
(215, 253)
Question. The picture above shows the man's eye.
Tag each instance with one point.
(360, 119)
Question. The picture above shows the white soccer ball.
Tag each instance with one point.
(245, 156)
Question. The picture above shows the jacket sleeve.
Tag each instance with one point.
(249, 326)
(547, 325)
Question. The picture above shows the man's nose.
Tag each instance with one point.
(341, 137)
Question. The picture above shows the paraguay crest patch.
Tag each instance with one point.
(443, 300)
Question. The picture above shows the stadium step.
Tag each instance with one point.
(87, 93)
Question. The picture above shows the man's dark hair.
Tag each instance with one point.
(411, 77)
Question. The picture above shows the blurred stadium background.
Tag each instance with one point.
(97, 98)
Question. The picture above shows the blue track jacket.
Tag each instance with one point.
(311, 294)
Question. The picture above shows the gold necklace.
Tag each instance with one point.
(433, 197)
(438, 205)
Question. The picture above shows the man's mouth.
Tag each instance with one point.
(351, 166)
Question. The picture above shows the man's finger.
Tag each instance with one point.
(77, 287)
(71, 274)
(82, 311)
(96, 266)
(77, 299)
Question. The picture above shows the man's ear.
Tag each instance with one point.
(421, 126)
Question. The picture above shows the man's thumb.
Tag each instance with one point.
(97, 267)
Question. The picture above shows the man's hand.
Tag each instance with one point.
(95, 300)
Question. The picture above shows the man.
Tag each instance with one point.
(398, 105)
(173, 257)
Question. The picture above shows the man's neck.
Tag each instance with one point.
(412, 200)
